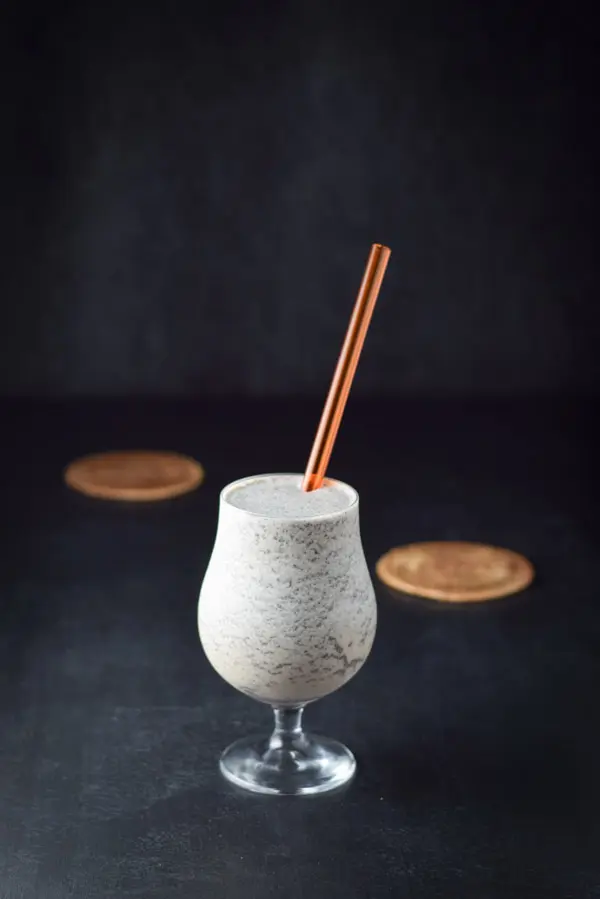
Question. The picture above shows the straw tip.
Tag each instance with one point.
(312, 481)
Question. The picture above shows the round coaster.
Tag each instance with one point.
(136, 476)
(454, 571)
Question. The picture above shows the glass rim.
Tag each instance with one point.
(348, 489)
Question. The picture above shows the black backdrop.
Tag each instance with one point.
(190, 195)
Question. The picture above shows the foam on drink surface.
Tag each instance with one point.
(281, 496)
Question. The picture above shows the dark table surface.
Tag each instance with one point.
(476, 728)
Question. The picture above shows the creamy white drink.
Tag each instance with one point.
(287, 610)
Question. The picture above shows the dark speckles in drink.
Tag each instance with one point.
(287, 610)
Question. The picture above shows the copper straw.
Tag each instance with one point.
(345, 368)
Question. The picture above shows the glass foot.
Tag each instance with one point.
(303, 765)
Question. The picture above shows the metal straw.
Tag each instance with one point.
(346, 367)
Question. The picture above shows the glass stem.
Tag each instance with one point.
(288, 727)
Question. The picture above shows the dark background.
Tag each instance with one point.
(188, 199)
(190, 193)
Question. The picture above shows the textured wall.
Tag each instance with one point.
(190, 197)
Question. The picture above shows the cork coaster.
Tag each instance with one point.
(135, 476)
(455, 571)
